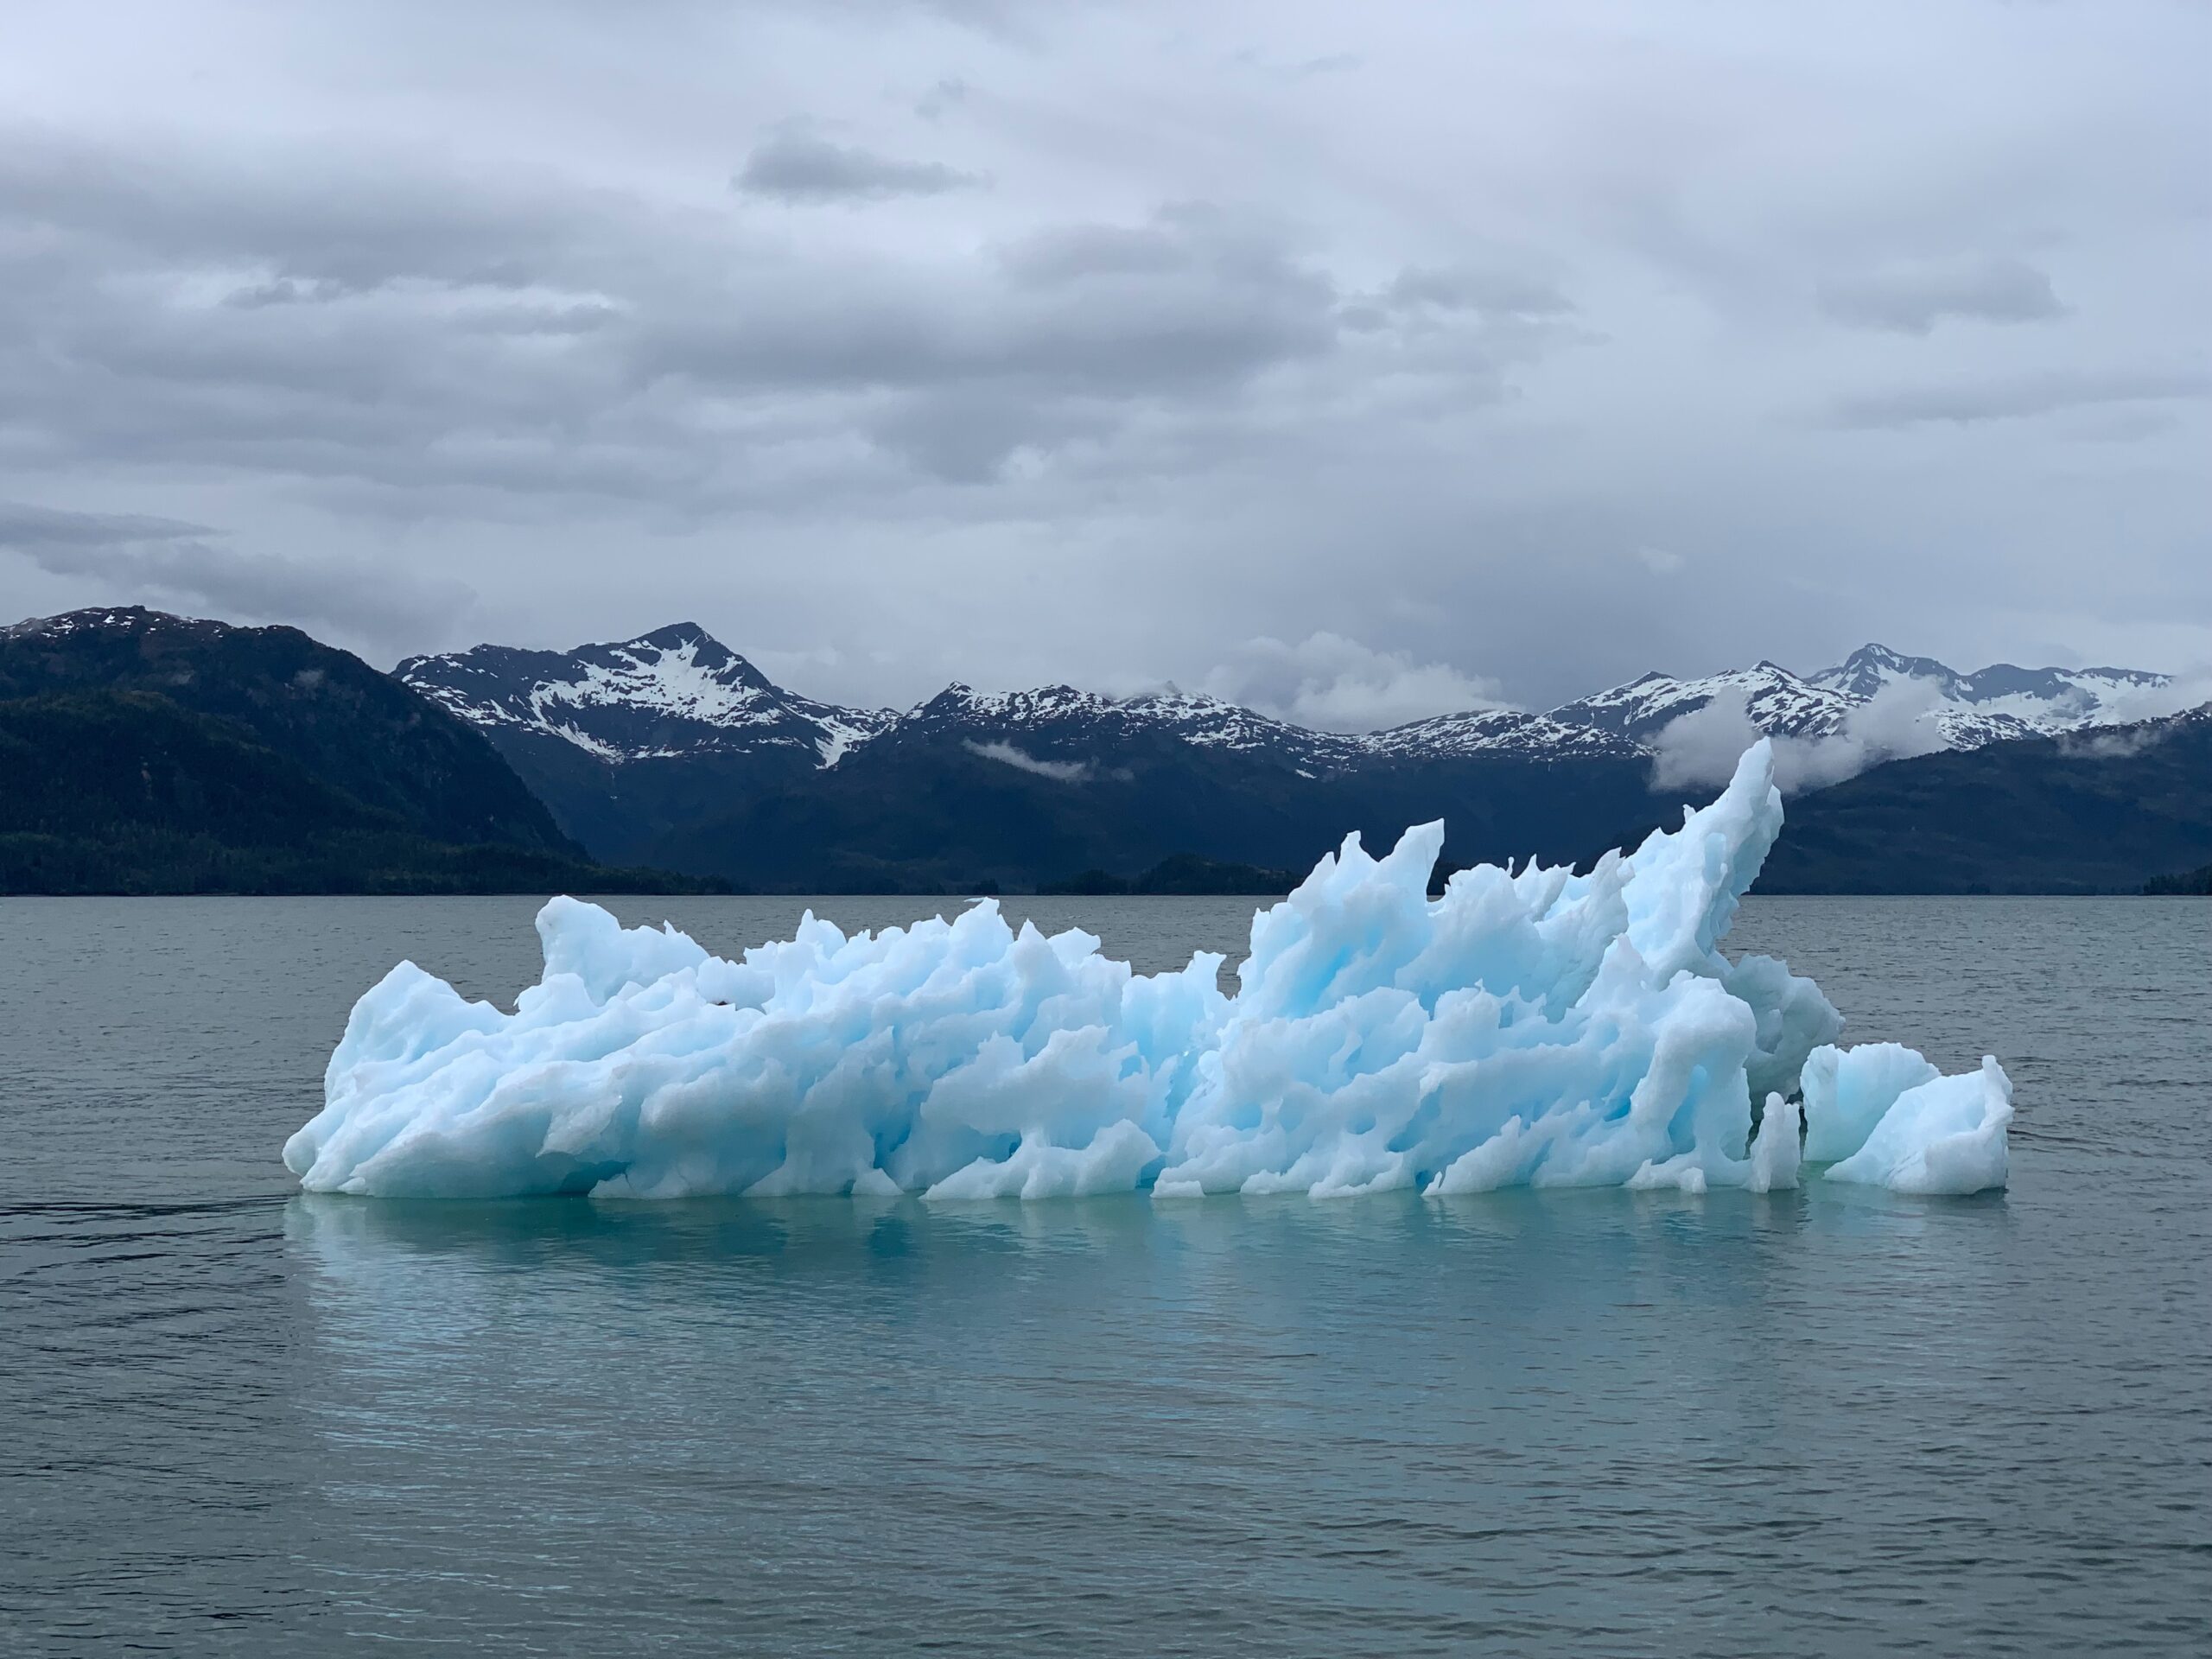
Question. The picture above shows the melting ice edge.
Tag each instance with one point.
(1534, 1028)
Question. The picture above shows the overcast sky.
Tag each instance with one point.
(1359, 361)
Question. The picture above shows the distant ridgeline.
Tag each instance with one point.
(143, 752)
(671, 749)
(1185, 874)
(2111, 810)
(2193, 883)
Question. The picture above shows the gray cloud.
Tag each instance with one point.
(26, 528)
(1421, 356)
(1322, 63)
(1702, 747)
(1334, 683)
(946, 96)
(289, 290)
(2019, 397)
(1465, 288)
(1061, 771)
(318, 223)
(2115, 745)
(1217, 307)
(584, 370)
(2190, 687)
(134, 559)
(1074, 253)
(1914, 299)
(797, 166)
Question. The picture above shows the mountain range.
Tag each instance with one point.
(141, 752)
(2115, 808)
(679, 693)
(671, 749)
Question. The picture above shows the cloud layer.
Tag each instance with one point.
(1331, 683)
(188, 568)
(1529, 344)
(800, 166)
(1007, 754)
(1912, 301)
(1701, 747)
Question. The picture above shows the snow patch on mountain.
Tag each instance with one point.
(1499, 731)
(679, 692)
(1779, 703)
(1876, 705)
(1701, 746)
(674, 692)
(1061, 718)
(2002, 701)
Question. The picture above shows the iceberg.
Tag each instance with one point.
(1888, 1119)
(1531, 1027)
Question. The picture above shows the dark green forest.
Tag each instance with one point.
(162, 756)
(142, 752)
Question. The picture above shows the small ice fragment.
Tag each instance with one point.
(1847, 1091)
(1946, 1135)
(1774, 1150)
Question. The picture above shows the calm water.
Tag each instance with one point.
(235, 1419)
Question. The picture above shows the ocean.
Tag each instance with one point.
(238, 1419)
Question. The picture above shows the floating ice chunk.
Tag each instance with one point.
(1946, 1135)
(1775, 1149)
(1847, 1089)
(1534, 1028)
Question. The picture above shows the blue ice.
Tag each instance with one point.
(1533, 1027)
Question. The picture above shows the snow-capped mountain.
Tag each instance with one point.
(1624, 720)
(1057, 718)
(1965, 710)
(671, 750)
(1779, 702)
(1498, 731)
(676, 691)
(1994, 702)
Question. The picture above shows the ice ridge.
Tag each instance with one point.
(1530, 1027)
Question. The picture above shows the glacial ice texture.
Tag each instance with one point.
(1535, 1027)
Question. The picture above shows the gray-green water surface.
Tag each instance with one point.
(237, 1420)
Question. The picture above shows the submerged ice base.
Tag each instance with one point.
(1535, 1027)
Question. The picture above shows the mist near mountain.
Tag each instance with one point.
(678, 691)
(1701, 746)
(149, 752)
(2109, 809)
(671, 749)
